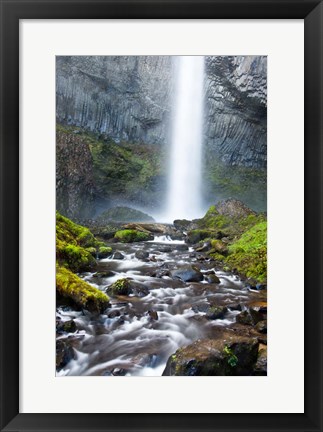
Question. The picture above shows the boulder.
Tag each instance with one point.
(141, 254)
(231, 355)
(187, 273)
(212, 279)
(64, 354)
(118, 255)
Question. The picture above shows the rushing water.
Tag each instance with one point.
(127, 339)
(184, 183)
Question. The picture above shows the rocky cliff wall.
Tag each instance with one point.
(129, 99)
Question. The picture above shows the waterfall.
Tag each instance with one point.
(184, 180)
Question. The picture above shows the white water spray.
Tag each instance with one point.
(184, 187)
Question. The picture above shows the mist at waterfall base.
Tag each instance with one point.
(183, 198)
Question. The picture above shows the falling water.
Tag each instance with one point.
(184, 187)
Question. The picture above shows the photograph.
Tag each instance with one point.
(161, 215)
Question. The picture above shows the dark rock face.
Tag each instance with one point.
(236, 355)
(123, 214)
(75, 189)
(238, 136)
(92, 92)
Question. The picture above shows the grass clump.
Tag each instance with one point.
(130, 236)
(71, 288)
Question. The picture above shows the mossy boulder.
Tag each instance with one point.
(130, 236)
(104, 252)
(230, 355)
(248, 254)
(126, 287)
(73, 290)
(120, 287)
(76, 246)
(197, 235)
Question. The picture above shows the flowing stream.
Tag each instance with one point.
(137, 334)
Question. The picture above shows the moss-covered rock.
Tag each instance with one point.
(120, 287)
(130, 236)
(248, 254)
(230, 355)
(77, 292)
(76, 246)
(104, 252)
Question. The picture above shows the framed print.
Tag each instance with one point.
(142, 131)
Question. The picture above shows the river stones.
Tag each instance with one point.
(187, 273)
(260, 368)
(261, 326)
(118, 255)
(127, 287)
(211, 312)
(232, 355)
(65, 326)
(141, 254)
(212, 279)
(250, 317)
(64, 354)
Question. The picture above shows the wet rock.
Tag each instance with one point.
(103, 274)
(212, 279)
(104, 252)
(164, 248)
(205, 248)
(64, 354)
(153, 315)
(66, 326)
(260, 368)
(235, 307)
(141, 254)
(233, 355)
(119, 372)
(216, 312)
(261, 326)
(120, 287)
(187, 273)
(118, 255)
(181, 247)
(201, 307)
(138, 289)
(127, 287)
(249, 317)
(113, 314)
(260, 287)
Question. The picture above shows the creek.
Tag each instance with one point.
(136, 335)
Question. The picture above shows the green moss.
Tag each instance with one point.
(248, 254)
(104, 252)
(76, 246)
(75, 290)
(120, 287)
(130, 236)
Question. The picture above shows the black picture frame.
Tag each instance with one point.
(14, 10)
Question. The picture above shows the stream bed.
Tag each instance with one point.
(137, 334)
